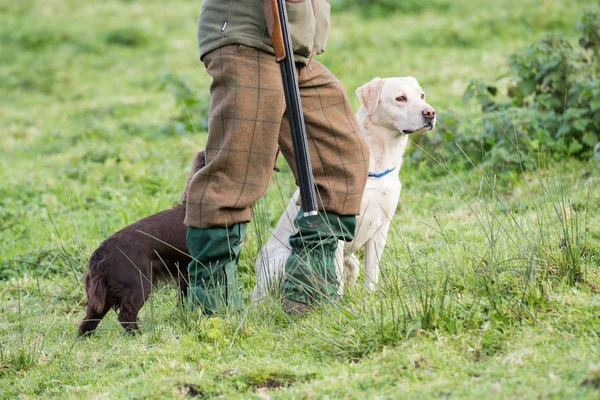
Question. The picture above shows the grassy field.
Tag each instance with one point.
(491, 284)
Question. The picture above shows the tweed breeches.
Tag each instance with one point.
(247, 123)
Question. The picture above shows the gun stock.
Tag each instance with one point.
(276, 32)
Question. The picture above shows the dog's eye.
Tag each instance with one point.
(422, 96)
(401, 99)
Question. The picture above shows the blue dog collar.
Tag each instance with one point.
(384, 173)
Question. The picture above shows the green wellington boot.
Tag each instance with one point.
(310, 270)
(213, 281)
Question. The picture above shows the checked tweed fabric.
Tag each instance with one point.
(247, 122)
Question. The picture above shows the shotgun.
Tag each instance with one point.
(284, 55)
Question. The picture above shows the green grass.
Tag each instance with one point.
(490, 282)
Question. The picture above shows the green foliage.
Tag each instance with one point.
(589, 29)
(542, 73)
(483, 93)
(387, 7)
(552, 102)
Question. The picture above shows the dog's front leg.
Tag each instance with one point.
(373, 254)
(339, 267)
(371, 265)
(264, 273)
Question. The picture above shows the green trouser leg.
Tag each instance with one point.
(213, 281)
(310, 270)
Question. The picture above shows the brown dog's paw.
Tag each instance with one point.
(85, 330)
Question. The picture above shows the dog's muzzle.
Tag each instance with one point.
(429, 115)
(428, 124)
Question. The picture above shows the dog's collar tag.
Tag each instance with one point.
(384, 173)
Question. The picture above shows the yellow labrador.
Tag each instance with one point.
(391, 110)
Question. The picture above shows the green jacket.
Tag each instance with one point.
(225, 22)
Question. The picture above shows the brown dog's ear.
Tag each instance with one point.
(197, 165)
(368, 94)
(199, 161)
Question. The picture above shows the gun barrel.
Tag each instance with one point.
(306, 179)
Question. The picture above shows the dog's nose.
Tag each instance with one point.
(429, 113)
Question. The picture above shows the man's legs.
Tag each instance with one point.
(246, 108)
(310, 273)
(213, 274)
(340, 161)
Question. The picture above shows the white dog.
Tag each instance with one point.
(391, 110)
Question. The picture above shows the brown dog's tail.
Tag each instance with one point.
(97, 293)
(95, 284)
(197, 165)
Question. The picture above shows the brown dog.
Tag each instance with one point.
(126, 265)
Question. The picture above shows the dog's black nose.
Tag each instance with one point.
(429, 113)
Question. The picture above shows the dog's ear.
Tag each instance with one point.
(368, 94)
(198, 163)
